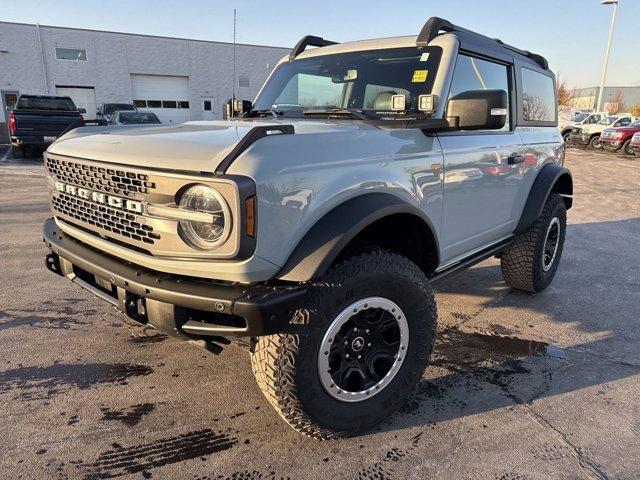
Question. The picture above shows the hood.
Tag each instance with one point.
(193, 146)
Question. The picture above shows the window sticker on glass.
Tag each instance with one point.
(424, 57)
(419, 76)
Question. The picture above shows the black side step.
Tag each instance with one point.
(255, 134)
(470, 261)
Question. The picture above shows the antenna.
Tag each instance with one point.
(233, 89)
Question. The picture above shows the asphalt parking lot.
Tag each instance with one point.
(520, 387)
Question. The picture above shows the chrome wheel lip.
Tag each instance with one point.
(343, 317)
(555, 222)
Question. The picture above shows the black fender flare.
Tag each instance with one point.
(322, 244)
(552, 178)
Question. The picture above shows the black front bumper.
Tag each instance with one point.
(175, 304)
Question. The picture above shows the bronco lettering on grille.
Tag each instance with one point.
(98, 197)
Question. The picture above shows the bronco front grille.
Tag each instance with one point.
(114, 181)
(104, 217)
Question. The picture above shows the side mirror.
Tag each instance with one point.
(479, 109)
(82, 110)
(236, 107)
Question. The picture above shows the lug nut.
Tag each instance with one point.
(346, 355)
(369, 344)
(359, 357)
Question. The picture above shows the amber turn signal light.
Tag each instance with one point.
(250, 216)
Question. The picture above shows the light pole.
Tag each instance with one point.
(606, 56)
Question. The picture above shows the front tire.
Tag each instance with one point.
(369, 328)
(531, 261)
(567, 139)
(626, 148)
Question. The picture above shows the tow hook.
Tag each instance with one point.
(52, 262)
(135, 308)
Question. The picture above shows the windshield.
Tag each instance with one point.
(607, 120)
(579, 117)
(63, 104)
(358, 81)
(137, 117)
(109, 108)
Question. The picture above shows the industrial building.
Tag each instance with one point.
(178, 79)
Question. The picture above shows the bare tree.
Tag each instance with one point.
(616, 103)
(534, 108)
(563, 93)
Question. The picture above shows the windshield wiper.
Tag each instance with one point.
(335, 112)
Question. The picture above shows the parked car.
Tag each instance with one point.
(317, 229)
(589, 135)
(566, 128)
(105, 110)
(619, 138)
(634, 146)
(37, 120)
(128, 117)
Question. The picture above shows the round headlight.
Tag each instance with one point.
(205, 235)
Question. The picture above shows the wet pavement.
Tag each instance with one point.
(520, 386)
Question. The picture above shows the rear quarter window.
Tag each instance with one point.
(538, 97)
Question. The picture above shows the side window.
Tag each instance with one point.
(623, 122)
(476, 74)
(538, 97)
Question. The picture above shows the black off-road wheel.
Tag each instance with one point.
(531, 261)
(363, 340)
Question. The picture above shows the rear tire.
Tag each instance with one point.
(531, 261)
(352, 394)
(595, 143)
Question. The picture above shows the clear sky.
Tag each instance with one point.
(572, 34)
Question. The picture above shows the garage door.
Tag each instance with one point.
(83, 97)
(166, 96)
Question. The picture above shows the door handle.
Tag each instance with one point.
(513, 159)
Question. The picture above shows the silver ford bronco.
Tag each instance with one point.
(315, 219)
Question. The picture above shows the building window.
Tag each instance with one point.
(154, 104)
(71, 54)
(538, 97)
(140, 103)
(183, 104)
(243, 81)
(207, 105)
(169, 104)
